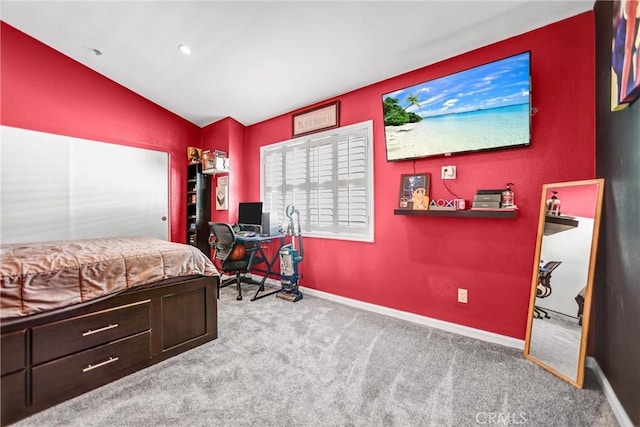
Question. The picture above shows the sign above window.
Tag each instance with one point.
(316, 119)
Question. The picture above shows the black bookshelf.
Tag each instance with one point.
(198, 208)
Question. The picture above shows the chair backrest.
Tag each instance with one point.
(549, 267)
(544, 279)
(224, 239)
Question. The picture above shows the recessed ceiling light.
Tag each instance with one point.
(184, 49)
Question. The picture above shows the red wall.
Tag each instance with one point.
(216, 137)
(416, 264)
(227, 135)
(44, 90)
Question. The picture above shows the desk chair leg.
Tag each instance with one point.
(540, 313)
(239, 281)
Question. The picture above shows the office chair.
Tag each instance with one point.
(231, 260)
(543, 288)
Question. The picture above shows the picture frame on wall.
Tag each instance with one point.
(625, 54)
(194, 155)
(414, 191)
(320, 118)
(222, 194)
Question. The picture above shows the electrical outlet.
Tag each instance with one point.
(448, 172)
(462, 295)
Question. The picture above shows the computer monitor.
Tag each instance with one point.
(250, 213)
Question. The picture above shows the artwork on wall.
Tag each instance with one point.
(222, 194)
(316, 119)
(625, 54)
(414, 191)
(194, 155)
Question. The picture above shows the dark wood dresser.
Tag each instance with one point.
(51, 357)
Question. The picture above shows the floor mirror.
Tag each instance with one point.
(562, 280)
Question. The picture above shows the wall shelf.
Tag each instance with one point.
(557, 223)
(503, 213)
(214, 171)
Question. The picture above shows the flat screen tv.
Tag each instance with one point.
(483, 108)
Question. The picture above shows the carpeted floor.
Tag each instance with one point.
(319, 363)
(556, 343)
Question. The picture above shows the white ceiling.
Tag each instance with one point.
(256, 60)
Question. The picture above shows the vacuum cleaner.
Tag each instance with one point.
(290, 257)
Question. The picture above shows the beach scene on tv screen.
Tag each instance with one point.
(477, 109)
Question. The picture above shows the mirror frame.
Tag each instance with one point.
(599, 182)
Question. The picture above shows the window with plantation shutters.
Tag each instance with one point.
(328, 177)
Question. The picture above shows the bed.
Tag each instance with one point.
(81, 313)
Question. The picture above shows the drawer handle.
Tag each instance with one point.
(97, 365)
(95, 331)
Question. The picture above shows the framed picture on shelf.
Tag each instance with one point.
(414, 191)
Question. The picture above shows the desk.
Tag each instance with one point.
(262, 257)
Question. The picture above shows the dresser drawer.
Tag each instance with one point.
(13, 350)
(70, 336)
(70, 376)
(13, 391)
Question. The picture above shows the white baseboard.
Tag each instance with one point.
(616, 406)
(422, 320)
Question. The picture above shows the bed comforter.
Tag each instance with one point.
(37, 277)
